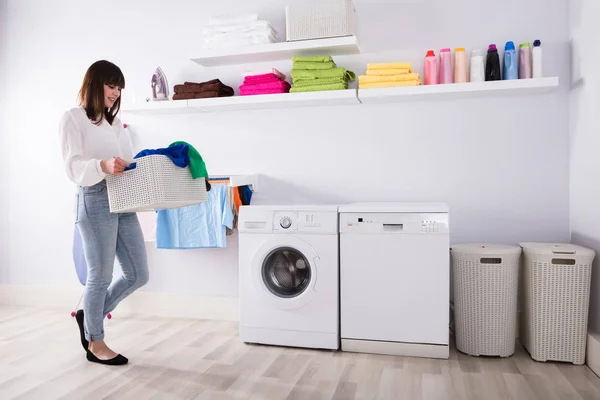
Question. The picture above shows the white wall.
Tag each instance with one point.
(502, 164)
(4, 176)
(585, 138)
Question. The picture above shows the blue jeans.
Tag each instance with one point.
(105, 235)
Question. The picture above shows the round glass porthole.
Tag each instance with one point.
(286, 272)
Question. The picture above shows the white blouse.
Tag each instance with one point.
(84, 145)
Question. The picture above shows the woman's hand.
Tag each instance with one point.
(114, 166)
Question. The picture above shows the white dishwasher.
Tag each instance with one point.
(395, 279)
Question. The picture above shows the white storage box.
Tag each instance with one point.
(556, 296)
(320, 20)
(485, 298)
(155, 184)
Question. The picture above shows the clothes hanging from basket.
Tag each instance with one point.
(197, 165)
(179, 154)
(182, 154)
(196, 227)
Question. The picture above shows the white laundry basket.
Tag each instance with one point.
(320, 20)
(556, 294)
(485, 298)
(155, 184)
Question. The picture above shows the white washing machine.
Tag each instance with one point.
(395, 279)
(289, 276)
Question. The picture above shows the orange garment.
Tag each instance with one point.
(236, 199)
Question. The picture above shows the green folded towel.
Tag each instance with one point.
(319, 81)
(313, 65)
(318, 88)
(197, 165)
(322, 59)
(339, 73)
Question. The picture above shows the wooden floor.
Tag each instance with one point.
(41, 358)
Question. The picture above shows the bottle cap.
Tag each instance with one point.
(476, 53)
(430, 53)
(444, 50)
(459, 50)
(492, 47)
(509, 46)
(525, 44)
(537, 43)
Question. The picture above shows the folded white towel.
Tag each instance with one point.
(254, 40)
(235, 35)
(251, 26)
(232, 19)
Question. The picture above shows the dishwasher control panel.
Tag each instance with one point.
(407, 223)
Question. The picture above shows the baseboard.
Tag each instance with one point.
(141, 302)
(593, 352)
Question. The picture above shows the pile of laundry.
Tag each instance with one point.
(193, 90)
(383, 75)
(312, 74)
(264, 82)
(182, 154)
(237, 31)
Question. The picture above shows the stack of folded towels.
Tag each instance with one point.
(192, 90)
(313, 74)
(385, 75)
(264, 82)
(237, 31)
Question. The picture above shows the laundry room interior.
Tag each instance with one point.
(491, 169)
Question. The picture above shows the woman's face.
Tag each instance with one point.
(111, 94)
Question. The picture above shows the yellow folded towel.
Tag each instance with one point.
(392, 65)
(388, 78)
(388, 84)
(382, 72)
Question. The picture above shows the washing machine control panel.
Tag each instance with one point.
(304, 221)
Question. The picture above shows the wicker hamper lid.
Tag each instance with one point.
(549, 249)
(485, 249)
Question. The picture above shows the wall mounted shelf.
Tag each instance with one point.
(521, 87)
(278, 51)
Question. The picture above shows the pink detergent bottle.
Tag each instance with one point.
(446, 66)
(430, 72)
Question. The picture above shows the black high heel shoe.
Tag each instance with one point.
(118, 360)
(79, 319)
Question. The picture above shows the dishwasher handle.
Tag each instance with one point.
(393, 227)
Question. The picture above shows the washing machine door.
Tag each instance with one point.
(284, 272)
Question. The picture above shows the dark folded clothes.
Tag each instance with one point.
(208, 86)
(201, 95)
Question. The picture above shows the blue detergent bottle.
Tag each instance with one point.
(511, 66)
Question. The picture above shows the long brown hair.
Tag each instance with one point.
(91, 94)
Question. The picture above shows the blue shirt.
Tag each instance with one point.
(199, 226)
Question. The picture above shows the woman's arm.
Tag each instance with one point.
(79, 170)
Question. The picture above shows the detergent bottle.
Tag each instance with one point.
(511, 66)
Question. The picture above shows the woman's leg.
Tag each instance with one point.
(98, 229)
(131, 253)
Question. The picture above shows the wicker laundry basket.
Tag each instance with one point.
(556, 295)
(155, 184)
(485, 298)
(320, 20)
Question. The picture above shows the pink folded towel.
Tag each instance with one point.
(273, 71)
(253, 92)
(262, 78)
(267, 85)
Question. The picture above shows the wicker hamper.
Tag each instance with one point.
(320, 20)
(155, 184)
(485, 279)
(556, 294)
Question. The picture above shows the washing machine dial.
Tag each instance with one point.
(285, 222)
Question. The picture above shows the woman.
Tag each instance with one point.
(95, 144)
